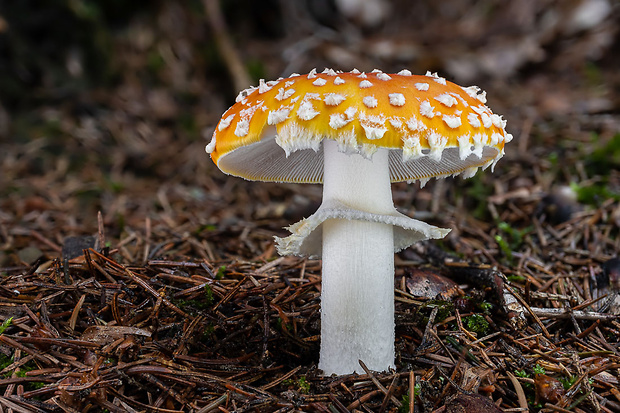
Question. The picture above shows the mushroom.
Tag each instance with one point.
(356, 133)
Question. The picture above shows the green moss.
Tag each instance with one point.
(522, 373)
(207, 331)
(504, 247)
(32, 385)
(567, 382)
(6, 324)
(516, 236)
(477, 324)
(519, 279)
(204, 228)
(303, 385)
(528, 388)
(155, 63)
(553, 158)
(207, 295)
(220, 272)
(510, 239)
(5, 361)
(444, 310)
(288, 382)
(594, 193)
(605, 157)
(599, 163)
(405, 401)
(201, 303)
(538, 369)
(485, 307)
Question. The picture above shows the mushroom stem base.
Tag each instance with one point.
(357, 298)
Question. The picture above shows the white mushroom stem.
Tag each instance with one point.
(356, 231)
(357, 297)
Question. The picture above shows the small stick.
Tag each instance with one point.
(411, 392)
(100, 231)
(280, 379)
(362, 399)
(265, 329)
(389, 394)
(378, 384)
(225, 45)
(214, 404)
(44, 358)
(147, 241)
(46, 241)
(557, 408)
(529, 309)
(519, 390)
(567, 313)
(76, 312)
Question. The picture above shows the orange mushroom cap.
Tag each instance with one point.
(434, 127)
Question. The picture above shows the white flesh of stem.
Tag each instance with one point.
(357, 295)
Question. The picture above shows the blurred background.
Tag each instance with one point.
(106, 105)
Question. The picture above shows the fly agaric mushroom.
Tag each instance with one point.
(356, 133)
